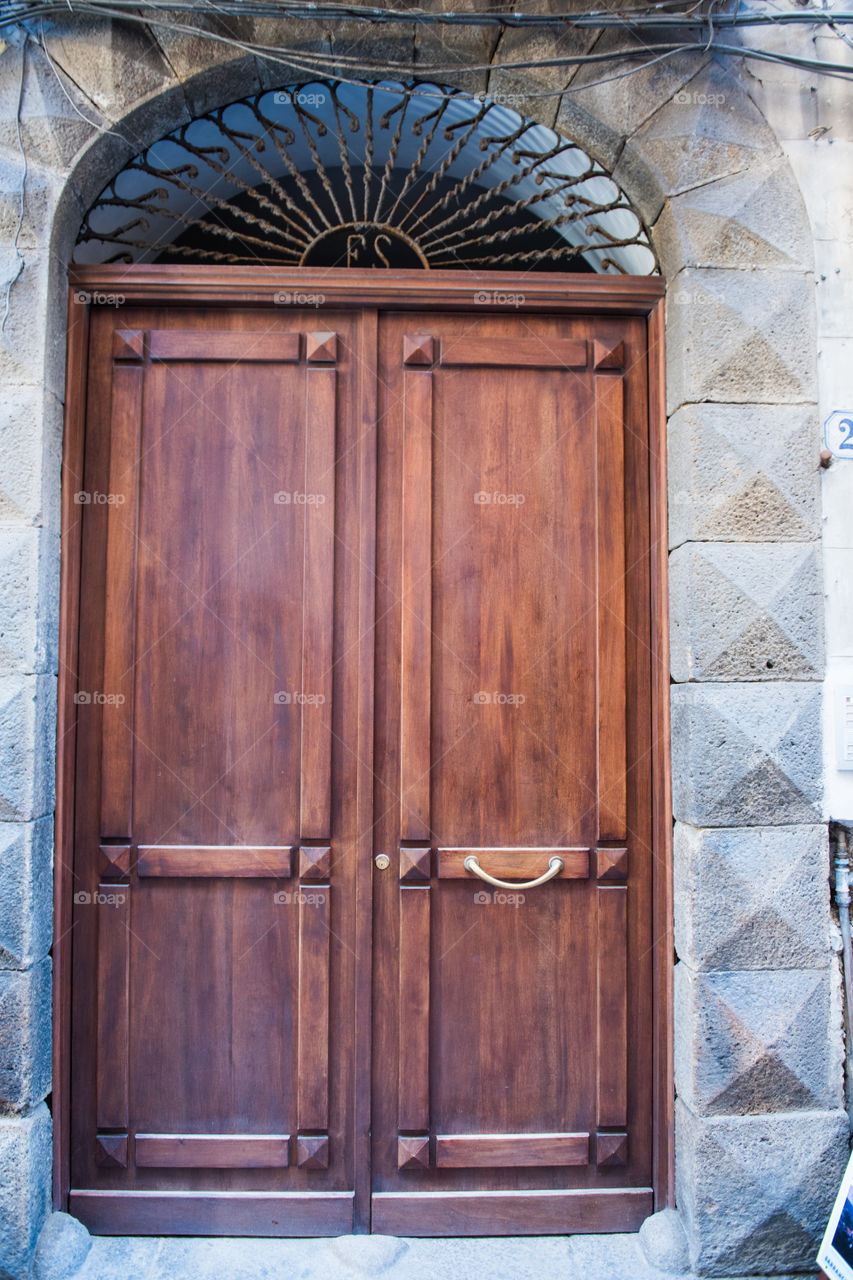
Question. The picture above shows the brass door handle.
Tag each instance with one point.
(555, 866)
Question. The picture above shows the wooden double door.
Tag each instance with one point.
(366, 624)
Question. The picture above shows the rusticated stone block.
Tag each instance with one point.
(746, 612)
(755, 1192)
(766, 1040)
(56, 118)
(746, 754)
(25, 1065)
(30, 457)
(707, 130)
(740, 336)
(755, 218)
(25, 892)
(25, 1174)
(27, 740)
(743, 473)
(752, 897)
(29, 600)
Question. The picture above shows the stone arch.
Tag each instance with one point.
(727, 218)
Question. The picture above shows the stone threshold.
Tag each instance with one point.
(607, 1257)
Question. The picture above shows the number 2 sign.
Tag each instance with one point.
(838, 433)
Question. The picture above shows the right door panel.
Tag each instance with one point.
(513, 1043)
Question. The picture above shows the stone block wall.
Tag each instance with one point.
(761, 1132)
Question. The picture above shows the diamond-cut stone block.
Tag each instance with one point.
(25, 892)
(752, 897)
(746, 754)
(755, 1192)
(766, 1040)
(740, 336)
(743, 473)
(746, 612)
(27, 740)
(25, 1063)
(25, 1174)
(29, 594)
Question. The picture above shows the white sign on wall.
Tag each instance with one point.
(838, 433)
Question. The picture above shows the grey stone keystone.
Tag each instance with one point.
(752, 897)
(748, 611)
(25, 1175)
(25, 1058)
(62, 1248)
(746, 754)
(743, 473)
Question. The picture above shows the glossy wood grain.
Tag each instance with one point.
(421, 610)
(211, 1150)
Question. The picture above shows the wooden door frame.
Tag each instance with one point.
(375, 290)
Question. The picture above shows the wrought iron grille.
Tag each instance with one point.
(383, 174)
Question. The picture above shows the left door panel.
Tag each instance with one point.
(215, 819)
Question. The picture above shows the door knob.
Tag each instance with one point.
(382, 861)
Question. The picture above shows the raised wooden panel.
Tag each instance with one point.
(612, 1037)
(312, 1151)
(212, 1150)
(416, 606)
(111, 1150)
(414, 1058)
(313, 1007)
(318, 603)
(413, 1152)
(204, 861)
(510, 1213)
(113, 908)
(117, 693)
(515, 352)
(513, 864)
(233, 346)
(222, 1213)
(511, 1150)
(415, 864)
(612, 655)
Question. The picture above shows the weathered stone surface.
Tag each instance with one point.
(708, 130)
(370, 1255)
(750, 219)
(41, 190)
(56, 118)
(27, 741)
(755, 1192)
(62, 1248)
(25, 1174)
(740, 336)
(766, 1040)
(462, 50)
(597, 139)
(743, 473)
(664, 1242)
(746, 612)
(746, 754)
(30, 457)
(519, 89)
(29, 596)
(25, 892)
(212, 71)
(626, 103)
(32, 346)
(752, 897)
(25, 1066)
(115, 64)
